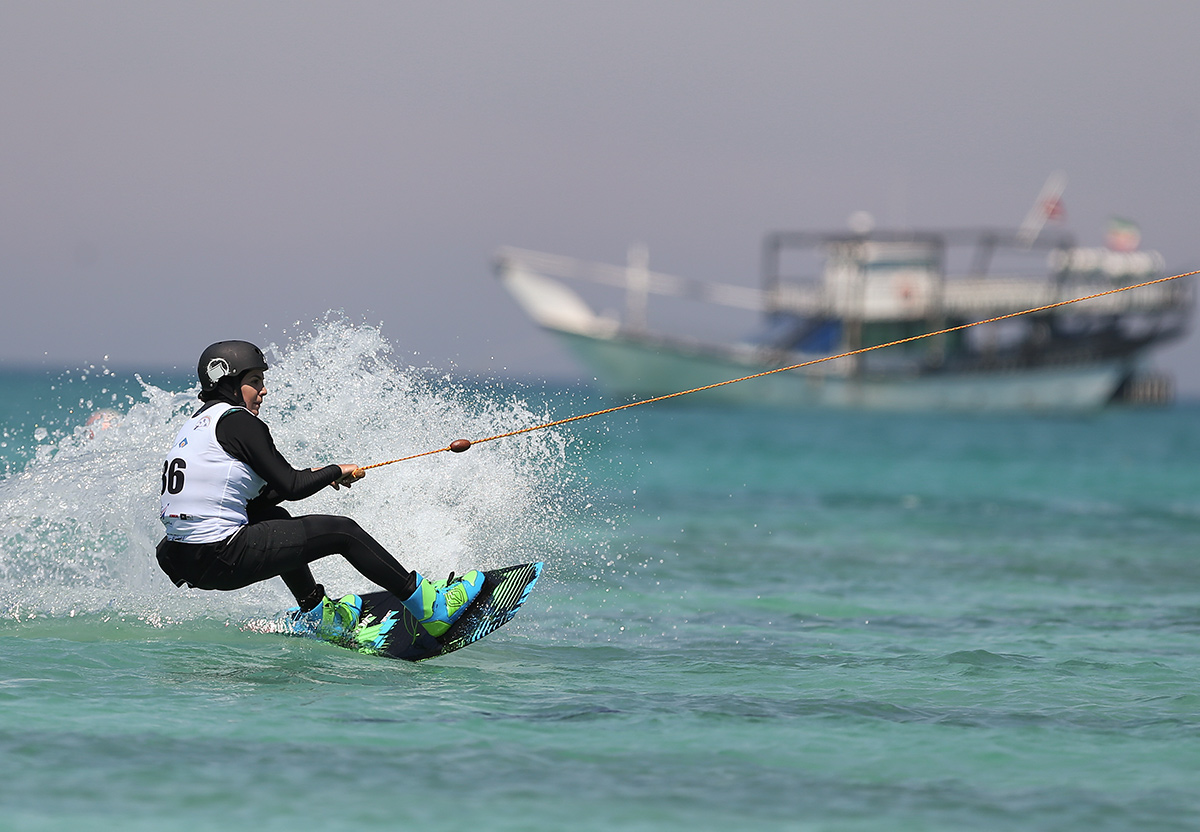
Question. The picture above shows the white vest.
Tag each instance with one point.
(204, 489)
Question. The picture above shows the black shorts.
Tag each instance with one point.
(254, 553)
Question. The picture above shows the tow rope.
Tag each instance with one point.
(460, 445)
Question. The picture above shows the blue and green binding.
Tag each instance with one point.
(329, 620)
(438, 604)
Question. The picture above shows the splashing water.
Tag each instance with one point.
(78, 525)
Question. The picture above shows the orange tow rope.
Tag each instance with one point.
(460, 445)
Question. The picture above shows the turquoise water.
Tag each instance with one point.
(749, 620)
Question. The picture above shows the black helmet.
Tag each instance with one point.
(227, 359)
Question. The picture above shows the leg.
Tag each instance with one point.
(332, 535)
(284, 546)
(300, 581)
(435, 605)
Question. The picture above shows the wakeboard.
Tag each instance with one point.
(387, 629)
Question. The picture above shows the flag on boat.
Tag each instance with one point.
(1052, 208)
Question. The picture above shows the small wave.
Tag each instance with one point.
(984, 658)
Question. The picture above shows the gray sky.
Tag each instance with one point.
(177, 173)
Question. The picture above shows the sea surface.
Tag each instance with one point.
(748, 620)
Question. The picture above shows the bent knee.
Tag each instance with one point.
(320, 524)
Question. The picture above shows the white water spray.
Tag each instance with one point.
(79, 524)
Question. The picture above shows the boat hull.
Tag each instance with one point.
(629, 368)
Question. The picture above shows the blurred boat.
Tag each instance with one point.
(826, 294)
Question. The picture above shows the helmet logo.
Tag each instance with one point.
(217, 369)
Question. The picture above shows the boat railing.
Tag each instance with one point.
(972, 297)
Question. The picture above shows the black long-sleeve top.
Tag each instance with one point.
(247, 438)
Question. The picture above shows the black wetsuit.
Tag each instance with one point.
(275, 543)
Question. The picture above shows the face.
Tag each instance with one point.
(254, 390)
